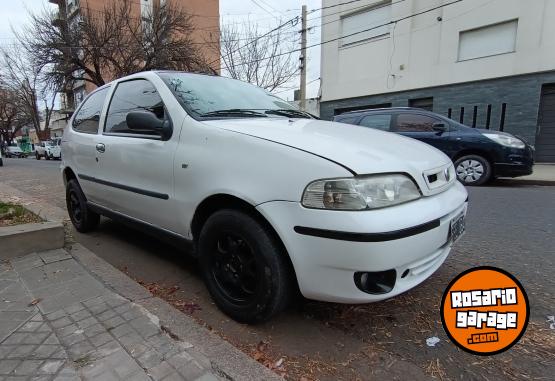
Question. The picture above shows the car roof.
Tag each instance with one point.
(373, 110)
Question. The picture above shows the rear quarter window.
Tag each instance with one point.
(88, 117)
(378, 121)
(348, 120)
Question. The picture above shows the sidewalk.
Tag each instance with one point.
(59, 322)
(544, 174)
(68, 315)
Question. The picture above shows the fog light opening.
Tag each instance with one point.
(376, 283)
(405, 273)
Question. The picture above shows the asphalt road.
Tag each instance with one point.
(509, 226)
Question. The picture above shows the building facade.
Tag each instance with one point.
(205, 14)
(486, 63)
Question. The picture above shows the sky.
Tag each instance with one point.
(266, 13)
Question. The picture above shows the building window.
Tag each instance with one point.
(354, 27)
(488, 41)
(423, 103)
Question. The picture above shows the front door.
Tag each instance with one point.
(545, 138)
(136, 167)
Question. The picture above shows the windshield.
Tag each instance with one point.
(51, 144)
(212, 96)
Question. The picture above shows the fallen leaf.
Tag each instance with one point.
(35, 302)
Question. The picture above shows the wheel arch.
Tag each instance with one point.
(68, 174)
(472, 151)
(221, 201)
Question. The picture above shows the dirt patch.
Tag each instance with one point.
(14, 214)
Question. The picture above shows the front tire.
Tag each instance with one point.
(244, 268)
(473, 170)
(84, 219)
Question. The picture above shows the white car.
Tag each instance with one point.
(269, 197)
(1, 158)
(15, 151)
(50, 150)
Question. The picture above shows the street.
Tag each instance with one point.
(509, 226)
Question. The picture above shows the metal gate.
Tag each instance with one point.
(545, 138)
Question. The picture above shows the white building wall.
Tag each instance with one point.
(423, 52)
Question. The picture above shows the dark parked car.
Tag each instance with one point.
(479, 155)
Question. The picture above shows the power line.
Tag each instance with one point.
(355, 33)
(261, 7)
(292, 21)
(355, 9)
(335, 5)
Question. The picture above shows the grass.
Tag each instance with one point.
(14, 214)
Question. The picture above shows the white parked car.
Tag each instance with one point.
(50, 150)
(269, 197)
(1, 158)
(15, 151)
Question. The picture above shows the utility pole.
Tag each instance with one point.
(302, 92)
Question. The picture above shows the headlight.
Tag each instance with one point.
(360, 193)
(506, 140)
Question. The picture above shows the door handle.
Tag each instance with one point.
(100, 147)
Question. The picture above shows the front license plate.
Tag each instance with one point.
(457, 228)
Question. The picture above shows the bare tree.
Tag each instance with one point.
(99, 45)
(11, 119)
(23, 91)
(263, 61)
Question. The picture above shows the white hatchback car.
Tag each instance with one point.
(270, 198)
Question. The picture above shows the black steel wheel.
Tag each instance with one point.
(81, 216)
(244, 268)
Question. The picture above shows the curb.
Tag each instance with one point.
(24, 239)
(227, 361)
(507, 181)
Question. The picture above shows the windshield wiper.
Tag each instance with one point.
(235, 112)
(290, 113)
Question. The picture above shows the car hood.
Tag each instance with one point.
(362, 150)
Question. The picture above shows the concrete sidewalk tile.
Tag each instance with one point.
(80, 349)
(80, 315)
(28, 367)
(161, 370)
(74, 308)
(94, 330)
(207, 377)
(55, 255)
(51, 366)
(100, 339)
(7, 366)
(21, 351)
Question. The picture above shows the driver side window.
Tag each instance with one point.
(129, 96)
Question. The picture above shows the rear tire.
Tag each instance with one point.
(244, 268)
(37, 156)
(84, 219)
(473, 170)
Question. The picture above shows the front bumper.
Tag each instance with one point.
(326, 267)
(515, 162)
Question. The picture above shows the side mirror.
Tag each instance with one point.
(147, 121)
(439, 127)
